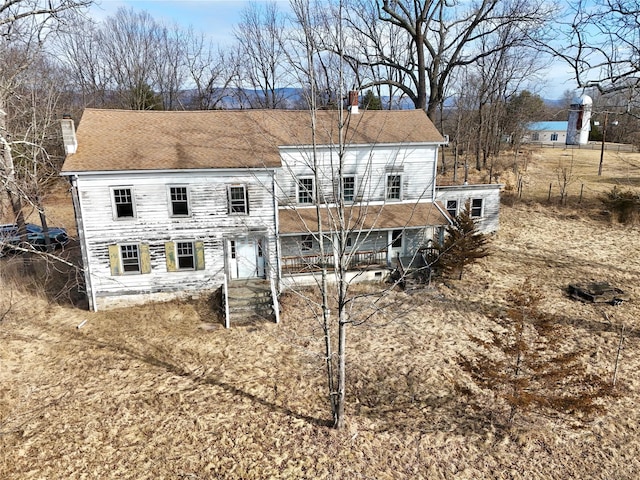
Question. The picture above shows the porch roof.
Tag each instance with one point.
(301, 220)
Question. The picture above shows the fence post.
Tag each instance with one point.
(549, 196)
(581, 190)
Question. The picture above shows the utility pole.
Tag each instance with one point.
(604, 136)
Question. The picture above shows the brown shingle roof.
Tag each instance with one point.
(112, 140)
(363, 217)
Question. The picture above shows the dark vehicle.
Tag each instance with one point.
(9, 237)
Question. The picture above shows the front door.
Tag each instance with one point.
(246, 258)
(396, 244)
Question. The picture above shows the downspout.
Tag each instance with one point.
(276, 225)
(84, 247)
(434, 173)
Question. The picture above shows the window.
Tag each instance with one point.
(305, 190)
(349, 188)
(123, 201)
(554, 137)
(179, 201)
(306, 243)
(232, 246)
(238, 199)
(535, 137)
(394, 183)
(349, 242)
(476, 207)
(185, 254)
(130, 258)
(396, 241)
(452, 207)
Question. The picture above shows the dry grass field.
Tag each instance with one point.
(145, 392)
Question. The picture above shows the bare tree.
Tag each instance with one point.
(443, 36)
(599, 42)
(19, 17)
(345, 214)
(24, 27)
(210, 72)
(262, 73)
(80, 53)
(133, 61)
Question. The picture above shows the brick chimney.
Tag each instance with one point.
(353, 101)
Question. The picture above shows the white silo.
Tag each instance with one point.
(579, 121)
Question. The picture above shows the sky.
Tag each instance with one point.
(217, 18)
(214, 18)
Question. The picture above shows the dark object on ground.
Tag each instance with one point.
(10, 238)
(597, 292)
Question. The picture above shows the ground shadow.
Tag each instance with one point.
(156, 357)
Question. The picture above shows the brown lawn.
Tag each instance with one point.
(146, 393)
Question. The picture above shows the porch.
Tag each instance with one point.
(360, 260)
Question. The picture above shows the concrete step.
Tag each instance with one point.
(250, 299)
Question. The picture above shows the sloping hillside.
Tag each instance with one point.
(146, 393)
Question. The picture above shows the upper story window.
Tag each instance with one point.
(452, 207)
(305, 190)
(238, 201)
(123, 202)
(476, 207)
(179, 197)
(349, 188)
(394, 187)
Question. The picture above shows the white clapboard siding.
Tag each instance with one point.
(370, 164)
(209, 221)
(490, 195)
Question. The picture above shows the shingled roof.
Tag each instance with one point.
(363, 217)
(116, 140)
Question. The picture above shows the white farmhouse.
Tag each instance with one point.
(554, 132)
(172, 203)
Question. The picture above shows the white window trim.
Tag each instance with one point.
(311, 194)
(171, 214)
(355, 187)
(114, 208)
(246, 199)
(457, 206)
(386, 187)
(137, 245)
(193, 255)
(481, 208)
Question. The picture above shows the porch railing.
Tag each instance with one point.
(312, 263)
